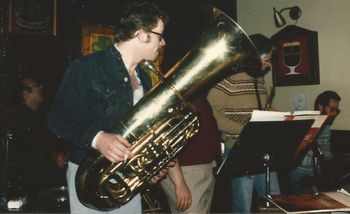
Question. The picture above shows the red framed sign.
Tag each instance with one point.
(295, 60)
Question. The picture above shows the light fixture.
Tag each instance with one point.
(294, 13)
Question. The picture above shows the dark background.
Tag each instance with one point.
(47, 56)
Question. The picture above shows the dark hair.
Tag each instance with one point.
(262, 43)
(324, 98)
(138, 15)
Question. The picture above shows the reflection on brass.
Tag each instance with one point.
(161, 123)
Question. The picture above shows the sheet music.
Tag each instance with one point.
(306, 112)
(345, 190)
(259, 115)
(340, 196)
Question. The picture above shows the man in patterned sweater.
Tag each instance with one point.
(232, 100)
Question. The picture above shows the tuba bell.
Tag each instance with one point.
(161, 123)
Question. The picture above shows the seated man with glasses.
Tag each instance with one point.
(328, 104)
(32, 166)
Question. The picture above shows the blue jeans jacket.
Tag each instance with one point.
(94, 96)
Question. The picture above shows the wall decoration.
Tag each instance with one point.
(295, 60)
(32, 16)
(96, 37)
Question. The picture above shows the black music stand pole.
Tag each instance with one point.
(267, 164)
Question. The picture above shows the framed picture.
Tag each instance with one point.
(33, 16)
(96, 37)
(295, 60)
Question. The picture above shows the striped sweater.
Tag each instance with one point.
(233, 99)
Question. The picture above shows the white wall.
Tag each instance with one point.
(331, 20)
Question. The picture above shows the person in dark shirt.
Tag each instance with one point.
(32, 164)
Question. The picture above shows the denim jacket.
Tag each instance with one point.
(94, 96)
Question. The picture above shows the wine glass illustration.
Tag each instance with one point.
(291, 56)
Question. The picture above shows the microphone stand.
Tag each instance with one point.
(5, 137)
(318, 157)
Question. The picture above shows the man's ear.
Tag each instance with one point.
(320, 107)
(142, 35)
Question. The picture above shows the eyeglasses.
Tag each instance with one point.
(334, 109)
(161, 37)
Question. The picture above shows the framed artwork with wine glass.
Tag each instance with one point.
(295, 59)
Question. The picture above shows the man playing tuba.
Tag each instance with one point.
(99, 89)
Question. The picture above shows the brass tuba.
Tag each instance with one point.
(160, 124)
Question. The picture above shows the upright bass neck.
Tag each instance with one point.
(270, 98)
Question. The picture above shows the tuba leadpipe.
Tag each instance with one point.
(161, 123)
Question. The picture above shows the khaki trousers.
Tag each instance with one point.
(200, 180)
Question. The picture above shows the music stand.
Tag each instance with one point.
(264, 145)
